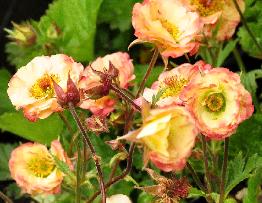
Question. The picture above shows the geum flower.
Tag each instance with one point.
(218, 102)
(168, 136)
(91, 81)
(166, 90)
(33, 168)
(218, 13)
(168, 24)
(32, 89)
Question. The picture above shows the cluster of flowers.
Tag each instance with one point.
(183, 102)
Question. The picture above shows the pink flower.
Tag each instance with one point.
(32, 90)
(218, 101)
(171, 83)
(168, 24)
(221, 13)
(168, 135)
(90, 79)
(34, 170)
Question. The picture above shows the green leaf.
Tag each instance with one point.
(5, 151)
(145, 198)
(253, 188)
(224, 52)
(5, 104)
(42, 131)
(77, 21)
(116, 13)
(62, 166)
(253, 15)
(140, 71)
(250, 129)
(195, 193)
(239, 169)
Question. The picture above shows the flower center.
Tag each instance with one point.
(215, 102)
(43, 87)
(172, 86)
(41, 165)
(208, 7)
(172, 29)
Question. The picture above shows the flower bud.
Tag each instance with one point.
(60, 94)
(53, 31)
(73, 94)
(23, 34)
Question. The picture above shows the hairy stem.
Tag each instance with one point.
(92, 149)
(124, 96)
(224, 171)
(207, 174)
(239, 61)
(5, 198)
(195, 177)
(246, 26)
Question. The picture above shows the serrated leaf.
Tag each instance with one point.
(116, 13)
(195, 193)
(145, 198)
(251, 128)
(5, 104)
(253, 188)
(239, 169)
(5, 152)
(225, 52)
(42, 131)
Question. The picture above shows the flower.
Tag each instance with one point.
(168, 135)
(118, 198)
(91, 80)
(221, 13)
(34, 170)
(166, 90)
(218, 102)
(168, 24)
(32, 90)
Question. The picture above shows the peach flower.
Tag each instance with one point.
(90, 79)
(221, 13)
(168, 24)
(118, 198)
(168, 135)
(170, 83)
(31, 88)
(34, 170)
(218, 101)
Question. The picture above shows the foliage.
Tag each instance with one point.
(252, 14)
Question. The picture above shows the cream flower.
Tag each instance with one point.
(170, 83)
(33, 168)
(221, 13)
(218, 101)
(31, 88)
(90, 79)
(118, 198)
(168, 135)
(169, 25)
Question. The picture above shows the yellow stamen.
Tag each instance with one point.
(41, 165)
(208, 7)
(43, 87)
(172, 29)
(172, 86)
(215, 102)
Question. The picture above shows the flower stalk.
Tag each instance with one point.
(224, 171)
(92, 149)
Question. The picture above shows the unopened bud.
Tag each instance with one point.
(97, 124)
(73, 94)
(23, 34)
(96, 92)
(60, 94)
